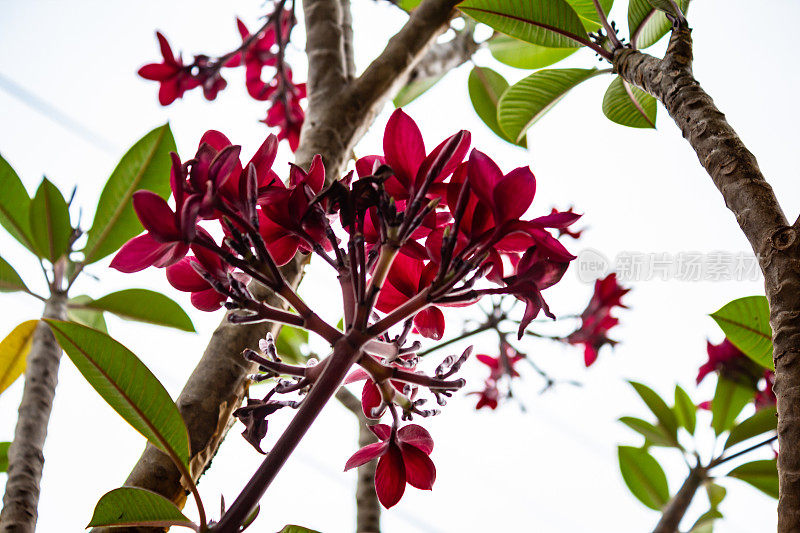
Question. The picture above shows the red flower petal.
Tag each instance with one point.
(403, 146)
(356, 375)
(185, 278)
(483, 175)
(366, 165)
(366, 454)
(156, 216)
(207, 300)
(138, 254)
(513, 194)
(382, 431)
(264, 158)
(430, 323)
(370, 398)
(215, 139)
(156, 72)
(316, 174)
(416, 436)
(589, 355)
(420, 470)
(390, 477)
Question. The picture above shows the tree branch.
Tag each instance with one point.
(325, 50)
(25, 458)
(735, 172)
(676, 508)
(347, 29)
(441, 58)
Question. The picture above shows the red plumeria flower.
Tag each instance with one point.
(489, 396)
(258, 55)
(730, 362)
(596, 319)
(175, 77)
(403, 458)
(496, 365)
(371, 397)
(184, 277)
(286, 113)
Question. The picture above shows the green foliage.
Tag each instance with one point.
(588, 13)
(529, 99)
(297, 529)
(629, 106)
(9, 279)
(762, 421)
(4, 446)
(49, 222)
(685, 410)
(648, 24)
(519, 54)
(654, 435)
(145, 166)
(716, 494)
(130, 506)
(14, 351)
(745, 322)
(127, 385)
(413, 90)
(144, 306)
(762, 474)
(15, 206)
(644, 476)
(729, 400)
(551, 23)
(665, 416)
(485, 89)
(290, 344)
(82, 315)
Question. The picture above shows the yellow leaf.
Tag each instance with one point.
(14, 351)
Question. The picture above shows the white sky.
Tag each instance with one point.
(551, 469)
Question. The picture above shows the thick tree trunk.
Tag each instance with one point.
(677, 506)
(735, 172)
(25, 457)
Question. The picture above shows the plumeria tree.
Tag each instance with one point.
(406, 234)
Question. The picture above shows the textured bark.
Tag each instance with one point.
(441, 58)
(336, 120)
(736, 174)
(25, 457)
(676, 509)
(368, 509)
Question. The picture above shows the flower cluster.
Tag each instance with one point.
(417, 231)
(731, 363)
(596, 319)
(264, 48)
(498, 367)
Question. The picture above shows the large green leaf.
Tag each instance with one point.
(485, 89)
(49, 222)
(290, 344)
(4, 446)
(88, 317)
(413, 90)
(588, 13)
(745, 322)
(716, 493)
(644, 476)
(655, 435)
(763, 475)
(14, 351)
(665, 416)
(551, 23)
(145, 306)
(762, 421)
(131, 506)
(126, 384)
(705, 524)
(647, 24)
(519, 54)
(528, 100)
(629, 106)
(14, 206)
(729, 400)
(9, 279)
(666, 6)
(685, 410)
(145, 166)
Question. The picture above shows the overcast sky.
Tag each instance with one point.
(550, 469)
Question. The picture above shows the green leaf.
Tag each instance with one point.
(551, 23)
(126, 384)
(297, 529)
(762, 421)
(729, 400)
(685, 410)
(408, 5)
(130, 506)
(762, 474)
(665, 6)
(647, 24)
(629, 106)
(144, 306)
(413, 90)
(745, 322)
(88, 317)
(145, 166)
(9, 279)
(14, 352)
(588, 13)
(659, 407)
(485, 89)
(519, 54)
(14, 206)
(705, 524)
(644, 476)
(529, 99)
(4, 446)
(656, 435)
(716, 493)
(290, 343)
(49, 222)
